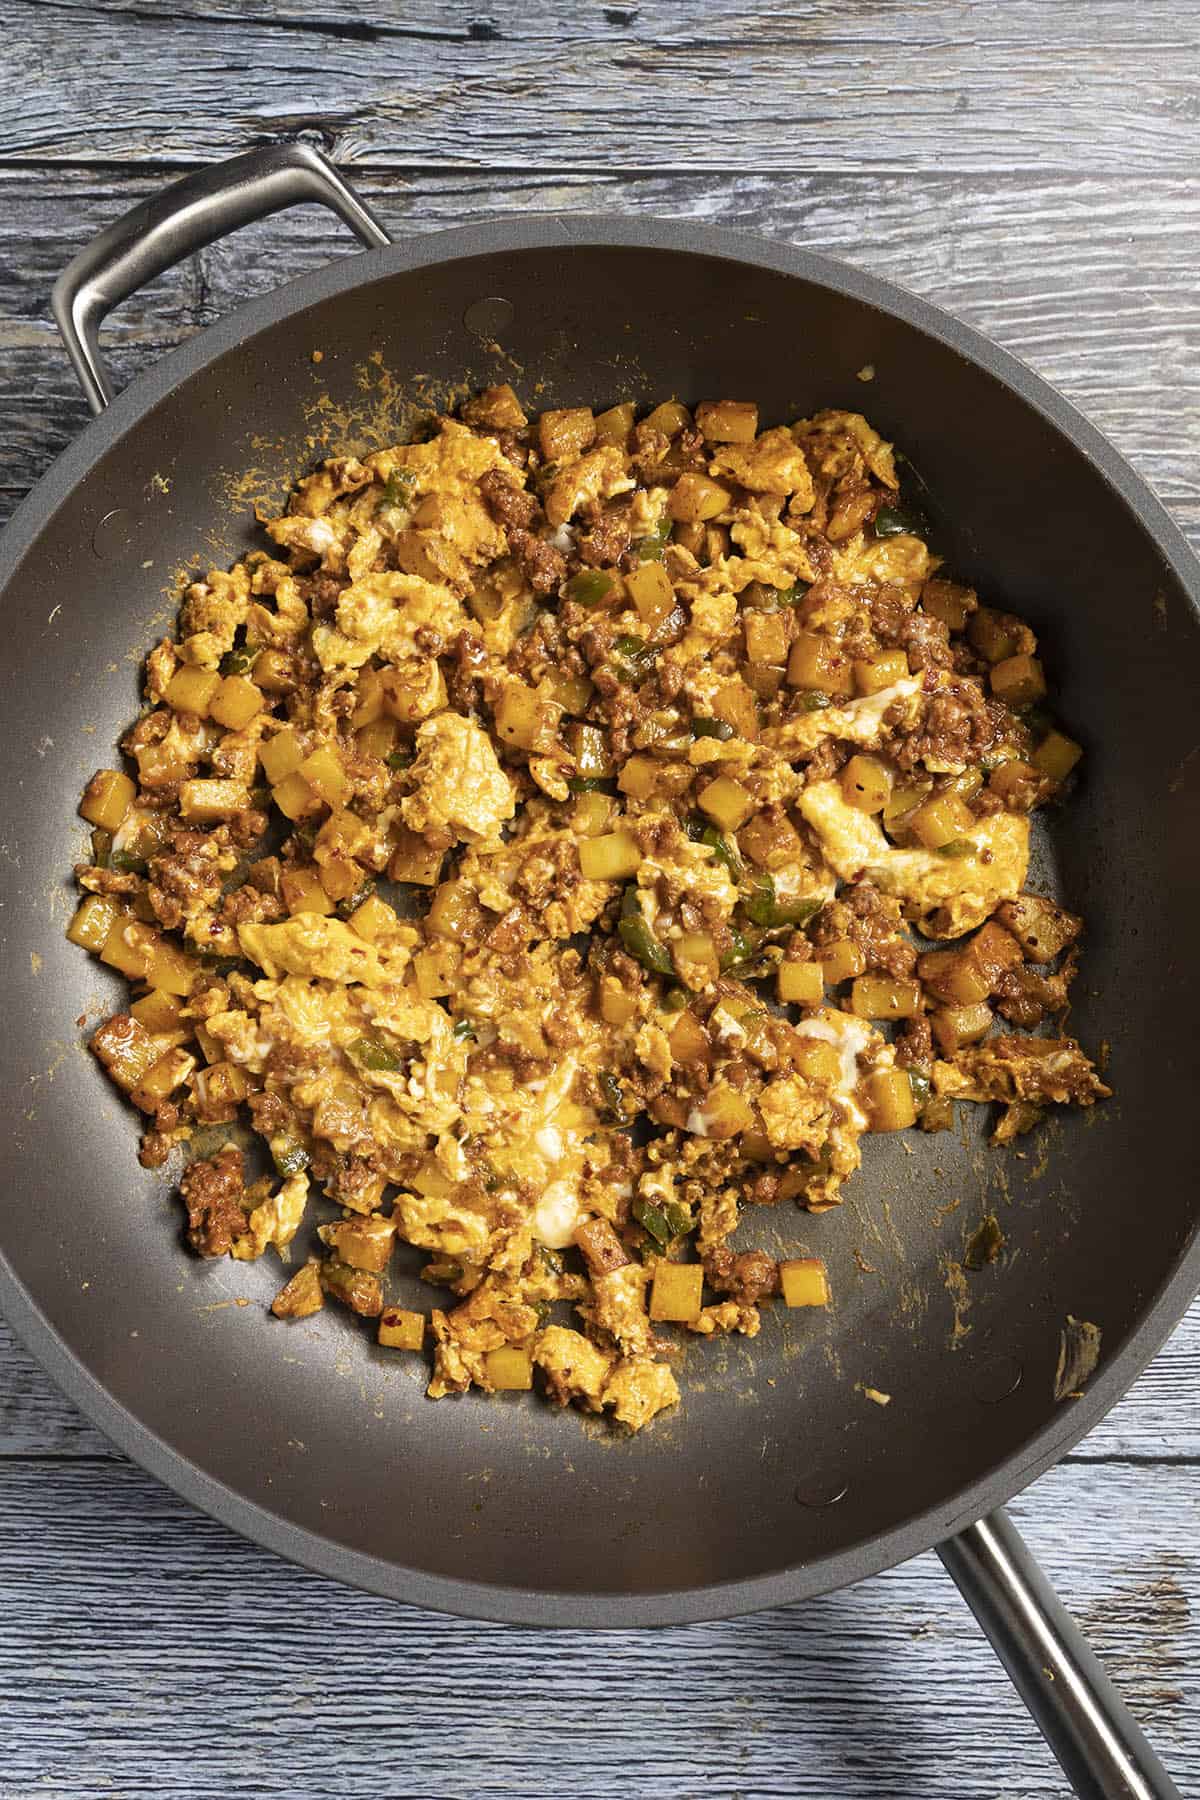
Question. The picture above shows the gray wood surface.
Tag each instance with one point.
(1032, 168)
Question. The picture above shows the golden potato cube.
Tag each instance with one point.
(411, 699)
(696, 953)
(280, 755)
(378, 738)
(727, 421)
(649, 587)
(235, 703)
(588, 744)
(614, 426)
(93, 920)
(325, 776)
(401, 1330)
(768, 635)
(593, 814)
(992, 635)
(689, 1040)
(874, 673)
(804, 1281)
(726, 1112)
(885, 997)
(412, 859)
(436, 970)
(273, 672)
(294, 798)
(866, 783)
(613, 857)
(566, 431)
(126, 1050)
(162, 1078)
(801, 983)
(770, 840)
(948, 601)
(695, 498)
(374, 919)
(364, 1243)
(734, 703)
(221, 1088)
(941, 820)
(158, 766)
(497, 408)
(1017, 783)
(617, 1004)
(128, 946)
(158, 1011)
(572, 692)
(453, 911)
(302, 892)
(508, 1369)
(639, 774)
(888, 1099)
(816, 663)
(813, 1058)
(170, 968)
(340, 877)
(1057, 755)
(677, 1293)
(954, 1026)
(953, 977)
(670, 417)
(368, 697)
(1018, 681)
(524, 720)
(191, 690)
(841, 960)
(726, 802)
(204, 802)
(107, 798)
(301, 1296)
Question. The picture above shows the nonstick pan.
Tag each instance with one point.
(778, 1479)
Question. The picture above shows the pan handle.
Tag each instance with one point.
(183, 219)
(1074, 1705)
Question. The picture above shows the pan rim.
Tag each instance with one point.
(790, 1582)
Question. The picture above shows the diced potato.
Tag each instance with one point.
(432, 1181)
(93, 920)
(593, 814)
(941, 820)
(614, 426)
(280, 755)
(294, 798)
(221, 1088)
(453, 911)
(697, 498)
(726, 1112)
(159, 766)
(734, 703)
(302, 1296)
(302, 892)
(770, 840)
(815, 1059)
(169, 968)
(497, 408)
(368, 697)
(841, 960)
(639, 776)
(727, 421)
(991, 635)
(689, 1040)
(874, 673)
(204, 802)
(617, 1004)
(565, 432)
(374, 919)
(413, 860)
(803, 1281)
(410, 698)
(235, 703)
(601, 1248)
(815, 662)
(107, 798)
(613, 857)
(436, 970)
(1018, 680)
(949, 602)
(572, 692)
(325, 776)
(885, 997)
(670, 417)
(768, 635)
(696, 953)
(589, 747)
(273, 672)
(726, 802)
(954, 1026)
(524, 720)
(1042, 928)
(158, 1011)
(677, 1293)
(343, 834)
(756, 1146)
(1057, 755)
(128, 946)
(364, 1243)
(889, 1101)
(1017, 783)
(993, 950)
(358, 1289)
(126, 1049)
(866, 783)
(378, 738)
(400, 1329)
(508, 1369)
(341, 878)
(191, 690)
(162, 1078)
(801, 983)
(763, 681)
(953, 977)
(649, 587)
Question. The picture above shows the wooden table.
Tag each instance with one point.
(1031, 168)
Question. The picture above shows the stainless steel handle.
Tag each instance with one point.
(186, 216)
(1075, 1706)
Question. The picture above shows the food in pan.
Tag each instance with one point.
(569, 833)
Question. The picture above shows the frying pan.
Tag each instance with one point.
(779, 1479)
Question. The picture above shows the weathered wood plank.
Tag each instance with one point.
(945, 85)
(221, 1670)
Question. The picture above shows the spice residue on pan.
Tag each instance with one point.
(530, 841)
(1078, 1354)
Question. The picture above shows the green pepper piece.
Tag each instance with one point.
(369, 1053)
(443, 1271)
(813, 700)
(614, 1097)
(102, 842)
(550, 1259)
(128, 862)
(639, 940)
(463, 1029)
(898, 520)
(590, 784)
(654, 1221)
(712, 728)
(651, 547)
(589, 587)
(398, 759)
(957, 847)
(674, 1001)
(702, 831)
(678, 1217)
(921, 1088)
(635, 659)
(288, 1155)
(352, 903)
(397, 489)
(759, 904)
(239, 662)
(741, 952)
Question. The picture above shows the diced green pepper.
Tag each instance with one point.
(398, 759)
(288, 1155)
(550, 1259)
(654, 1221)
(397, 489)
(380, 1058)
(239, 662)
(813, 700)
(741, 952)
(712, 728)
(956, 848)
(651, 547)
(634, 659)
(895, 521)
(463, 1029)
(639, 940)
(921, 1088)
(703, 831)
(589, 784)
(614, 1097)
(589, 587)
